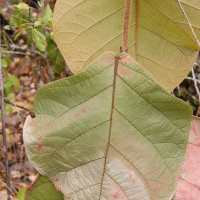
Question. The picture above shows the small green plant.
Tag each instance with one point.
(11, 82)
(38, 28)
(23, 19)
(114, 131)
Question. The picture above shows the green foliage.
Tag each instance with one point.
(4, 63)
(55, 57)
(14, 80)
(22, 6)
(20, 19)
(39, 39)
(10, 96)
(43, 189)
(6, 27)
(21, 193)
(8, 109)
(23, 19)
(10, 82)
(18, 34)
(46, 19)
(5, 59)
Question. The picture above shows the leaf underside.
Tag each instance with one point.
(43, 189)
(109, 132)
(159, 38)
(189, 182)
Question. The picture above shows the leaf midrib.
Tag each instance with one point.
(111, 116)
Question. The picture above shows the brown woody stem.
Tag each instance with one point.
(3, 125)
(127, 16)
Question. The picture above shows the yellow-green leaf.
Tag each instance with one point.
(14, 80)
(10, 95)
(18, 34)
(38, 22)
(21, 193)
(39, 39)
(4, 62)
(43, 189)
(6, 27)
(41, 6)
(160, 38)
(23, 6)
(47, 14)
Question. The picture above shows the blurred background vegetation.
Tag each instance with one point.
(30, 59)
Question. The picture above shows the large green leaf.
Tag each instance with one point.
(43, 189)
(109, 132)
(160, 38)
(189, 181)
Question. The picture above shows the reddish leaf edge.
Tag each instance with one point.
(188, 187)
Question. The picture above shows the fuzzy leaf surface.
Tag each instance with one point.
(109, 132)
(43, 189)
(189, 182)
(159, 38)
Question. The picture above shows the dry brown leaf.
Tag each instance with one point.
(25, 105)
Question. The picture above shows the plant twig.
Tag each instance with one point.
(197, 89)
(189, 78)
(8, 101)
(15, 17)
(15, 52)
(10, 8)
(195, 83)
(188, 22)
(198, 65)
(3, 126)
(9, 190)
(127, 16)
(13, 46)
(47, 62)
(8, 36)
